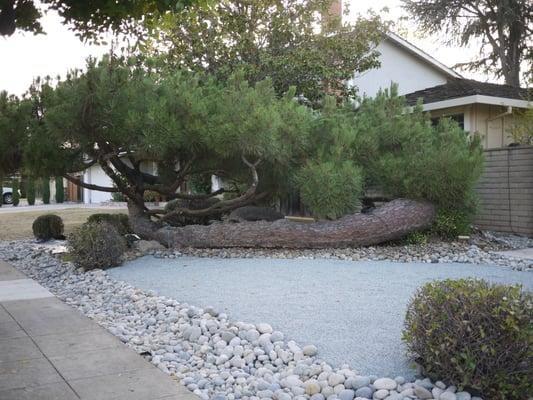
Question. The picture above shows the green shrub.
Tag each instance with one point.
(474, 335)
(60, 189)
(405, 155)
(150, 196)
(521, 129)
(118, 197)
(96, 245)
(451, 223)
(200, 184)
(417, 237)
(30, 191)
(331, 189)
(16, 193)
(120, 221)
(45, 186)
(48, 226)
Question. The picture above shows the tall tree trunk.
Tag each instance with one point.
(512, 77)
(392, 221)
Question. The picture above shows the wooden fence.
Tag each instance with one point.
(506, 191)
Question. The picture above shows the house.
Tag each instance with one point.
(95, 175)
(487, 109)
(484, 108)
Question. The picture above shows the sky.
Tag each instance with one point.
(23, 56)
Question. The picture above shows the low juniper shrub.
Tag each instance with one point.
(120, 221)
(48, 226)
(96, 245)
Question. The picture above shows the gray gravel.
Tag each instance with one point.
(352, 311)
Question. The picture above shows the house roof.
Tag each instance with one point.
(419, 53)
(458, 88)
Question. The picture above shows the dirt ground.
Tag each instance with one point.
(17, 224)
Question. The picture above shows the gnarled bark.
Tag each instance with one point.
(391, 221)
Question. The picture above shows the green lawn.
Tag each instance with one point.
(17, 224)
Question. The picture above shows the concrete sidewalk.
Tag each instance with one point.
(50, 351)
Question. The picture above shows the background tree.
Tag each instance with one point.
(15, 188)
(521, 130)
(504, 28)
(14, 117)
(88, 18)
(278, 39)
(30, 191)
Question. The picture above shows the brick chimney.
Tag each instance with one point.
(335, 9)
(334, 12)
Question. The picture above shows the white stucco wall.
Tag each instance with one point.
(399, 66)
(96, 176)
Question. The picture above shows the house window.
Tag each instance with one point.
(459, 118)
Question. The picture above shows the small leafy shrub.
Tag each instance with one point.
(451, 223)
(474, 335)
(96, 245)
(118, 197)
(417, 238)
(48, 226)
(330, 189)
(120, 221)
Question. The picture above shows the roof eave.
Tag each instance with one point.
(422, 55)
(476, 99)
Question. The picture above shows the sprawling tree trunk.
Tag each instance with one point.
(140, 222)
(392, 221)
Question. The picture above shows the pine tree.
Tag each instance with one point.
(60, 190)
(16, 194)
(30, 191)
(45, 182)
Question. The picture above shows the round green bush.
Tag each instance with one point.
(474, 335)
(120, 221)
(48, 226)
(96, 245)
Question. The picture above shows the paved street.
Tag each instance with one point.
(50, 351)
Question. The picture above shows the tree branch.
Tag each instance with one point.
(90, 186)
(226, 205)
